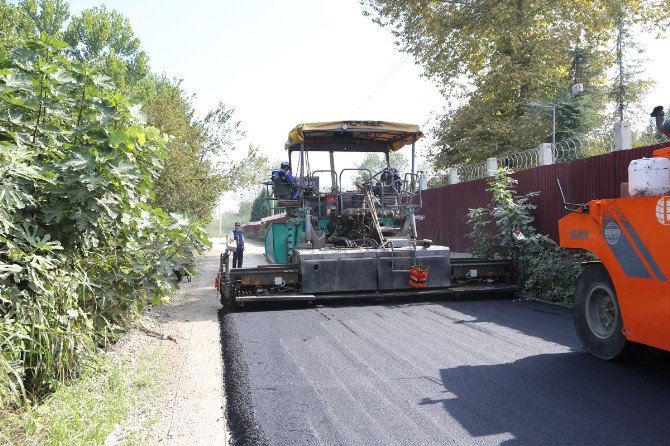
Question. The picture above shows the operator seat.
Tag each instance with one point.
(281, 190)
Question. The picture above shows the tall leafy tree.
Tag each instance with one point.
(626, 88)
(260, 207)
(45, 16)
(29, 19)
(492, 58)
(105, 39)
(584, 112)
(204, 159)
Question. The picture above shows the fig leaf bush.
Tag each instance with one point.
(82, 250)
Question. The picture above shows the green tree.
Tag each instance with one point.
(29, 19)
(98, 36)
(44, 16)
(204, 160)
(626, 89)
(260, 208)
(105, 39)
(493, 58)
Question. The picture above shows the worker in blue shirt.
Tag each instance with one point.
(284, 174)
(238, 254)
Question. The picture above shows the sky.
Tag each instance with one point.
(281, 63)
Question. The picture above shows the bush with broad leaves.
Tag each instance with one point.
(545, 271)
(81, 248)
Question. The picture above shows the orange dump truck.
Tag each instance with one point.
(626, 295)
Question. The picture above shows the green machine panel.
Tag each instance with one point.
(280, 240)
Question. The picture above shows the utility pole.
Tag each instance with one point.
(553, 119)
(220, 231)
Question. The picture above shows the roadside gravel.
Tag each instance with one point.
(188, 407)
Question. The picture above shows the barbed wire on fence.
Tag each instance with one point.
(576, 148)
(565, 150)
(520, 160)
(472, 171)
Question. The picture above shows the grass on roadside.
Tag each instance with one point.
(85, 412)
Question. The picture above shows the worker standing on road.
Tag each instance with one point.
(238, 254)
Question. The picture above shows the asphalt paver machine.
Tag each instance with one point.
(358, 241)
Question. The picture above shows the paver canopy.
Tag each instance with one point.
(368, 136)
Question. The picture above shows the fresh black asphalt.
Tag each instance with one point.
(433, 372)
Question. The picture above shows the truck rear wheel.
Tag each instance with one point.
(597, 316)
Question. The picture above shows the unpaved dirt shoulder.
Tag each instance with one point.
(188, 408)
(191, 406)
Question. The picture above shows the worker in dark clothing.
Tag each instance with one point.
(662, 125)
(238, 254)
(391, 177)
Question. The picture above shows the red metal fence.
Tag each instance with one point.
(446, 208)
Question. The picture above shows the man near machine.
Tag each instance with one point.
(284, 175)
(238, 254)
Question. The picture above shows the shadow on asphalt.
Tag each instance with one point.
(593, 401)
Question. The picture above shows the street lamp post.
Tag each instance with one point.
(553, 119)
(220, 229)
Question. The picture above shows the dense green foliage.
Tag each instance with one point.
(202, 159)
(260, 208)
(81, 246)
(493, 58)
(200, 165)
(105, 40)
(546, 271)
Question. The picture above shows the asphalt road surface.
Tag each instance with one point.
(433, 372)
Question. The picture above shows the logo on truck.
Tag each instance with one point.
(612, 233)
(663, 211)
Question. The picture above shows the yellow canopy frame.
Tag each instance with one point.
(353, 135)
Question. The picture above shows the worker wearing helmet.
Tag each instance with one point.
(284, 175)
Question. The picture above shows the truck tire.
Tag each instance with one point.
(597, 316)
